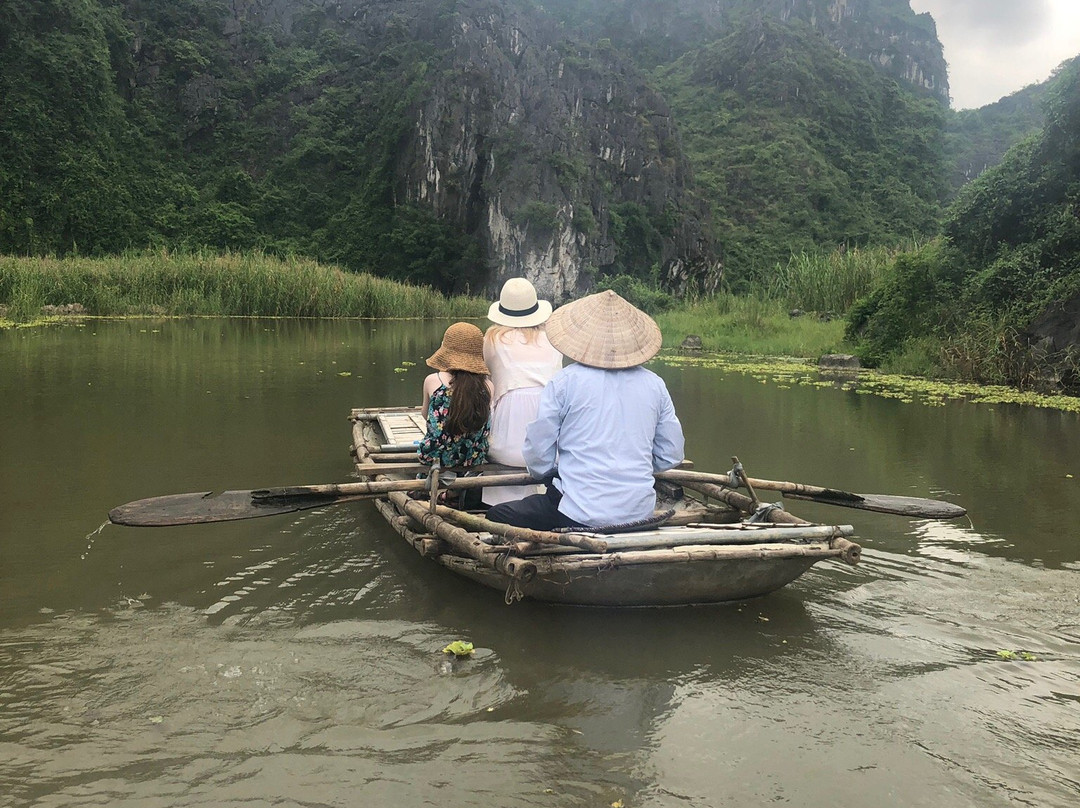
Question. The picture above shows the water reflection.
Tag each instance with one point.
(296, 659)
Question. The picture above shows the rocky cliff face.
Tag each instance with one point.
(540, 147)
(472, 139)
(886, 33)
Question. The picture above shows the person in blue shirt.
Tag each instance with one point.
(604, 426)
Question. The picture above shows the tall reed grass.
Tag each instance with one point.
(210, 283)
(750, 325)
(828, 282)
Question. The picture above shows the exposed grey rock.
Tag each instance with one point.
(69, 309)
(1053, 348)
(527, 140)
(691, 343)
(839, 362)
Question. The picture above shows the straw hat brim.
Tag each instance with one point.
(499, 316)
(604, 331)
(462, 349)
(447, 360)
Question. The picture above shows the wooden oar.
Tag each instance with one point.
(916, 507)
(205, 506)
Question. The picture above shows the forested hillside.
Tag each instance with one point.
(1002, 293)
(450, 143)
(456, 142)
(797, 146)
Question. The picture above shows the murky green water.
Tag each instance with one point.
(293, 660)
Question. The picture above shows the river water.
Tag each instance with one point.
(295, 660)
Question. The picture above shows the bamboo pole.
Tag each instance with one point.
(462, 540)
(385, 486)
(424, 543)
(557, 565)
(478, 524)
(850, 552)
(687, 476)
(740, 501)
(791, 535)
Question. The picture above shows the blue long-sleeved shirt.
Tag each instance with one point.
(608, 431)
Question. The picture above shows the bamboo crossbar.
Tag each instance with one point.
(561, 565)
(378, 487)
(740, 501)
(462, 540)
(687, 476)
(478, 524)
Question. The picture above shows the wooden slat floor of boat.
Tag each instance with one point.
(402, 428)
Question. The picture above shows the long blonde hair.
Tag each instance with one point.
(502, 332)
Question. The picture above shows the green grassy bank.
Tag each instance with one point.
(177, 284)
(252, 284)
(210, 283)
(751, 325)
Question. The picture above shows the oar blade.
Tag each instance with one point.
(915, 507)
(204, 507)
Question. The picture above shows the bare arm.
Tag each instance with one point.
(431, 384)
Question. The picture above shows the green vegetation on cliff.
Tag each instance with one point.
(133, 125)
(798, 147)
(1011, 250)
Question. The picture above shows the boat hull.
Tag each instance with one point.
(660, 584)
(702, 569)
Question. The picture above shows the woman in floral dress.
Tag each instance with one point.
(457, 401)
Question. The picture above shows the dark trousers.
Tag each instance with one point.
(537, 511)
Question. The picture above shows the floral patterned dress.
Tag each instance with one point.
(461, 451)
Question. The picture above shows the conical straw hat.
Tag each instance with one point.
(604, 331)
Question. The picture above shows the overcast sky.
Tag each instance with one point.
(996, 47)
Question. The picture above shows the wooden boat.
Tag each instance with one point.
(705, 552)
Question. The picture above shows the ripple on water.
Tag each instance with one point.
(332, 565)
(929, 637)
(157, 705)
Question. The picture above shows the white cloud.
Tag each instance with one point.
(995, 47)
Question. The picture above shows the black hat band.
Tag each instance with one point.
(519, 312)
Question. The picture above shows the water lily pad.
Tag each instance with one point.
(459, 648)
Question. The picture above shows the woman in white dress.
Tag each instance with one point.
(521, 360)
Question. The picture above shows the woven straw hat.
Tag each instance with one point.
(462, 349)
(517, 305)
(604, 331)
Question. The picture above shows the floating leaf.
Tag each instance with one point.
(156, 719)
(408, 364)
(459, 648)
(1005, 654)
(345, 373)
(1027, 656)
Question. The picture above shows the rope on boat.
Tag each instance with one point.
(513, 592)
(655, 520)
(763, 512)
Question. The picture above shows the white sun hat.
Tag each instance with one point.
(604, 331)
(517, 305)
